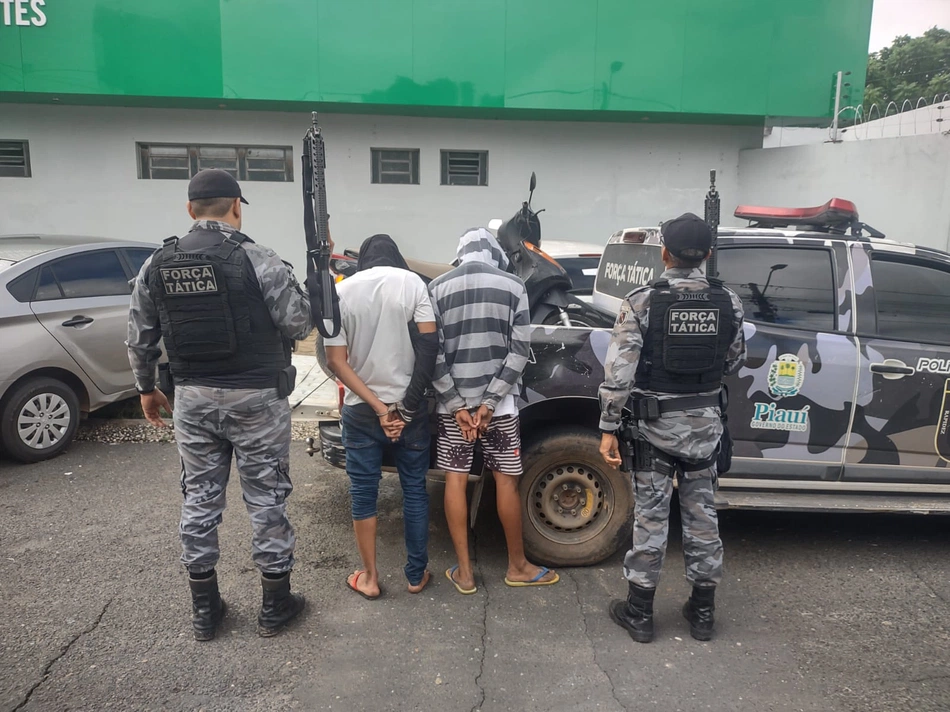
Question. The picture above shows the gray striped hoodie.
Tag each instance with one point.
(484, 326)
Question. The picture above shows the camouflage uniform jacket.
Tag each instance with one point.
(288, 303)
(691, 434)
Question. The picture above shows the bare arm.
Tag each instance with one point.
(337, 361)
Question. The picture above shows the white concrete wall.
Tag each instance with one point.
(901, 186)
(929, 119)
(592, 178)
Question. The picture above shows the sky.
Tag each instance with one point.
(891, 18)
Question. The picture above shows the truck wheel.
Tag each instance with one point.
(39, 419)
(576, 509)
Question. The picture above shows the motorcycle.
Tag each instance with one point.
(547, 283)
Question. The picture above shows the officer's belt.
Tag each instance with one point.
(651, 407)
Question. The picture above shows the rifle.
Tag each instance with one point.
(320, 285)
(712, 219)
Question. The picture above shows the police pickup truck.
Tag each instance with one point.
(842, 404)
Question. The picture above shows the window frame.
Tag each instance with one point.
(444, 163)
(127, 259)
(143, 163)
(27, 161)
(123, 263)
(415, 161)
(904, 259)
(792, 247)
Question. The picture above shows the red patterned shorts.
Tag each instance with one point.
(501, 445)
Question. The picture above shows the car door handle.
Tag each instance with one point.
(78, 321)
(898, 368)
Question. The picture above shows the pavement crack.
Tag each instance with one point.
(926, 583)
(481, 663)
(590, 640)
(61, 653)
(929, 678)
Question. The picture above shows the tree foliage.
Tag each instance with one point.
(912, 67)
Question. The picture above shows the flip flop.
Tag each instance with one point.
(450, 575)
(536, 581)
(356, 580)
(426, 577)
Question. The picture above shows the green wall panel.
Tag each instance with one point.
(11, 61)
(270, 65)
(728, 72)
(657, 59)
(550, 49)
(831, 30)
(459, 52)
(634, 38)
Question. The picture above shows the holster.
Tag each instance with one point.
(166, 382)
(286, 381)
(636, 453)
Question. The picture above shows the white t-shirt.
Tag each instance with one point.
(376, 306)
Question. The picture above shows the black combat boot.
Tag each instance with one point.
(279, 605)
(636, 613)
(207, 607)
(698, 610)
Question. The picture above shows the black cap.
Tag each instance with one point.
(214, 183)
(687, 236)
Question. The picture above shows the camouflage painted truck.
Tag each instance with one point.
(843, 402)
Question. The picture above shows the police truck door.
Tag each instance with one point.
(790, 405)
(902, 423)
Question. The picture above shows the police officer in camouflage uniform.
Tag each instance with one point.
(672, 343)
(228, 310)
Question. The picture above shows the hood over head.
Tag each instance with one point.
(479, 245)
(380, 251)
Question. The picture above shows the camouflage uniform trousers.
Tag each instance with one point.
(702, 547)
(211, 424)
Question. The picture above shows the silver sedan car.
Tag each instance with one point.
(64, 305)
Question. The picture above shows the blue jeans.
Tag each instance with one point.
(365, 441)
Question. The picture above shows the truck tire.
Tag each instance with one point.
(39, 419)
(576, 510)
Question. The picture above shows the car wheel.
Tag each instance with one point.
(39, 419)
(577, 510)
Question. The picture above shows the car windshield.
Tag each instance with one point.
(581, 270)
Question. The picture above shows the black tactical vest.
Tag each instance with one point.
(685, 347)
(216, 327)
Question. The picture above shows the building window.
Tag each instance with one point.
(162, 161)
(14, 159)
(395, 165)
(464, 167)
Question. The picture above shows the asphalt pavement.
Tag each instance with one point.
(817, 612)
